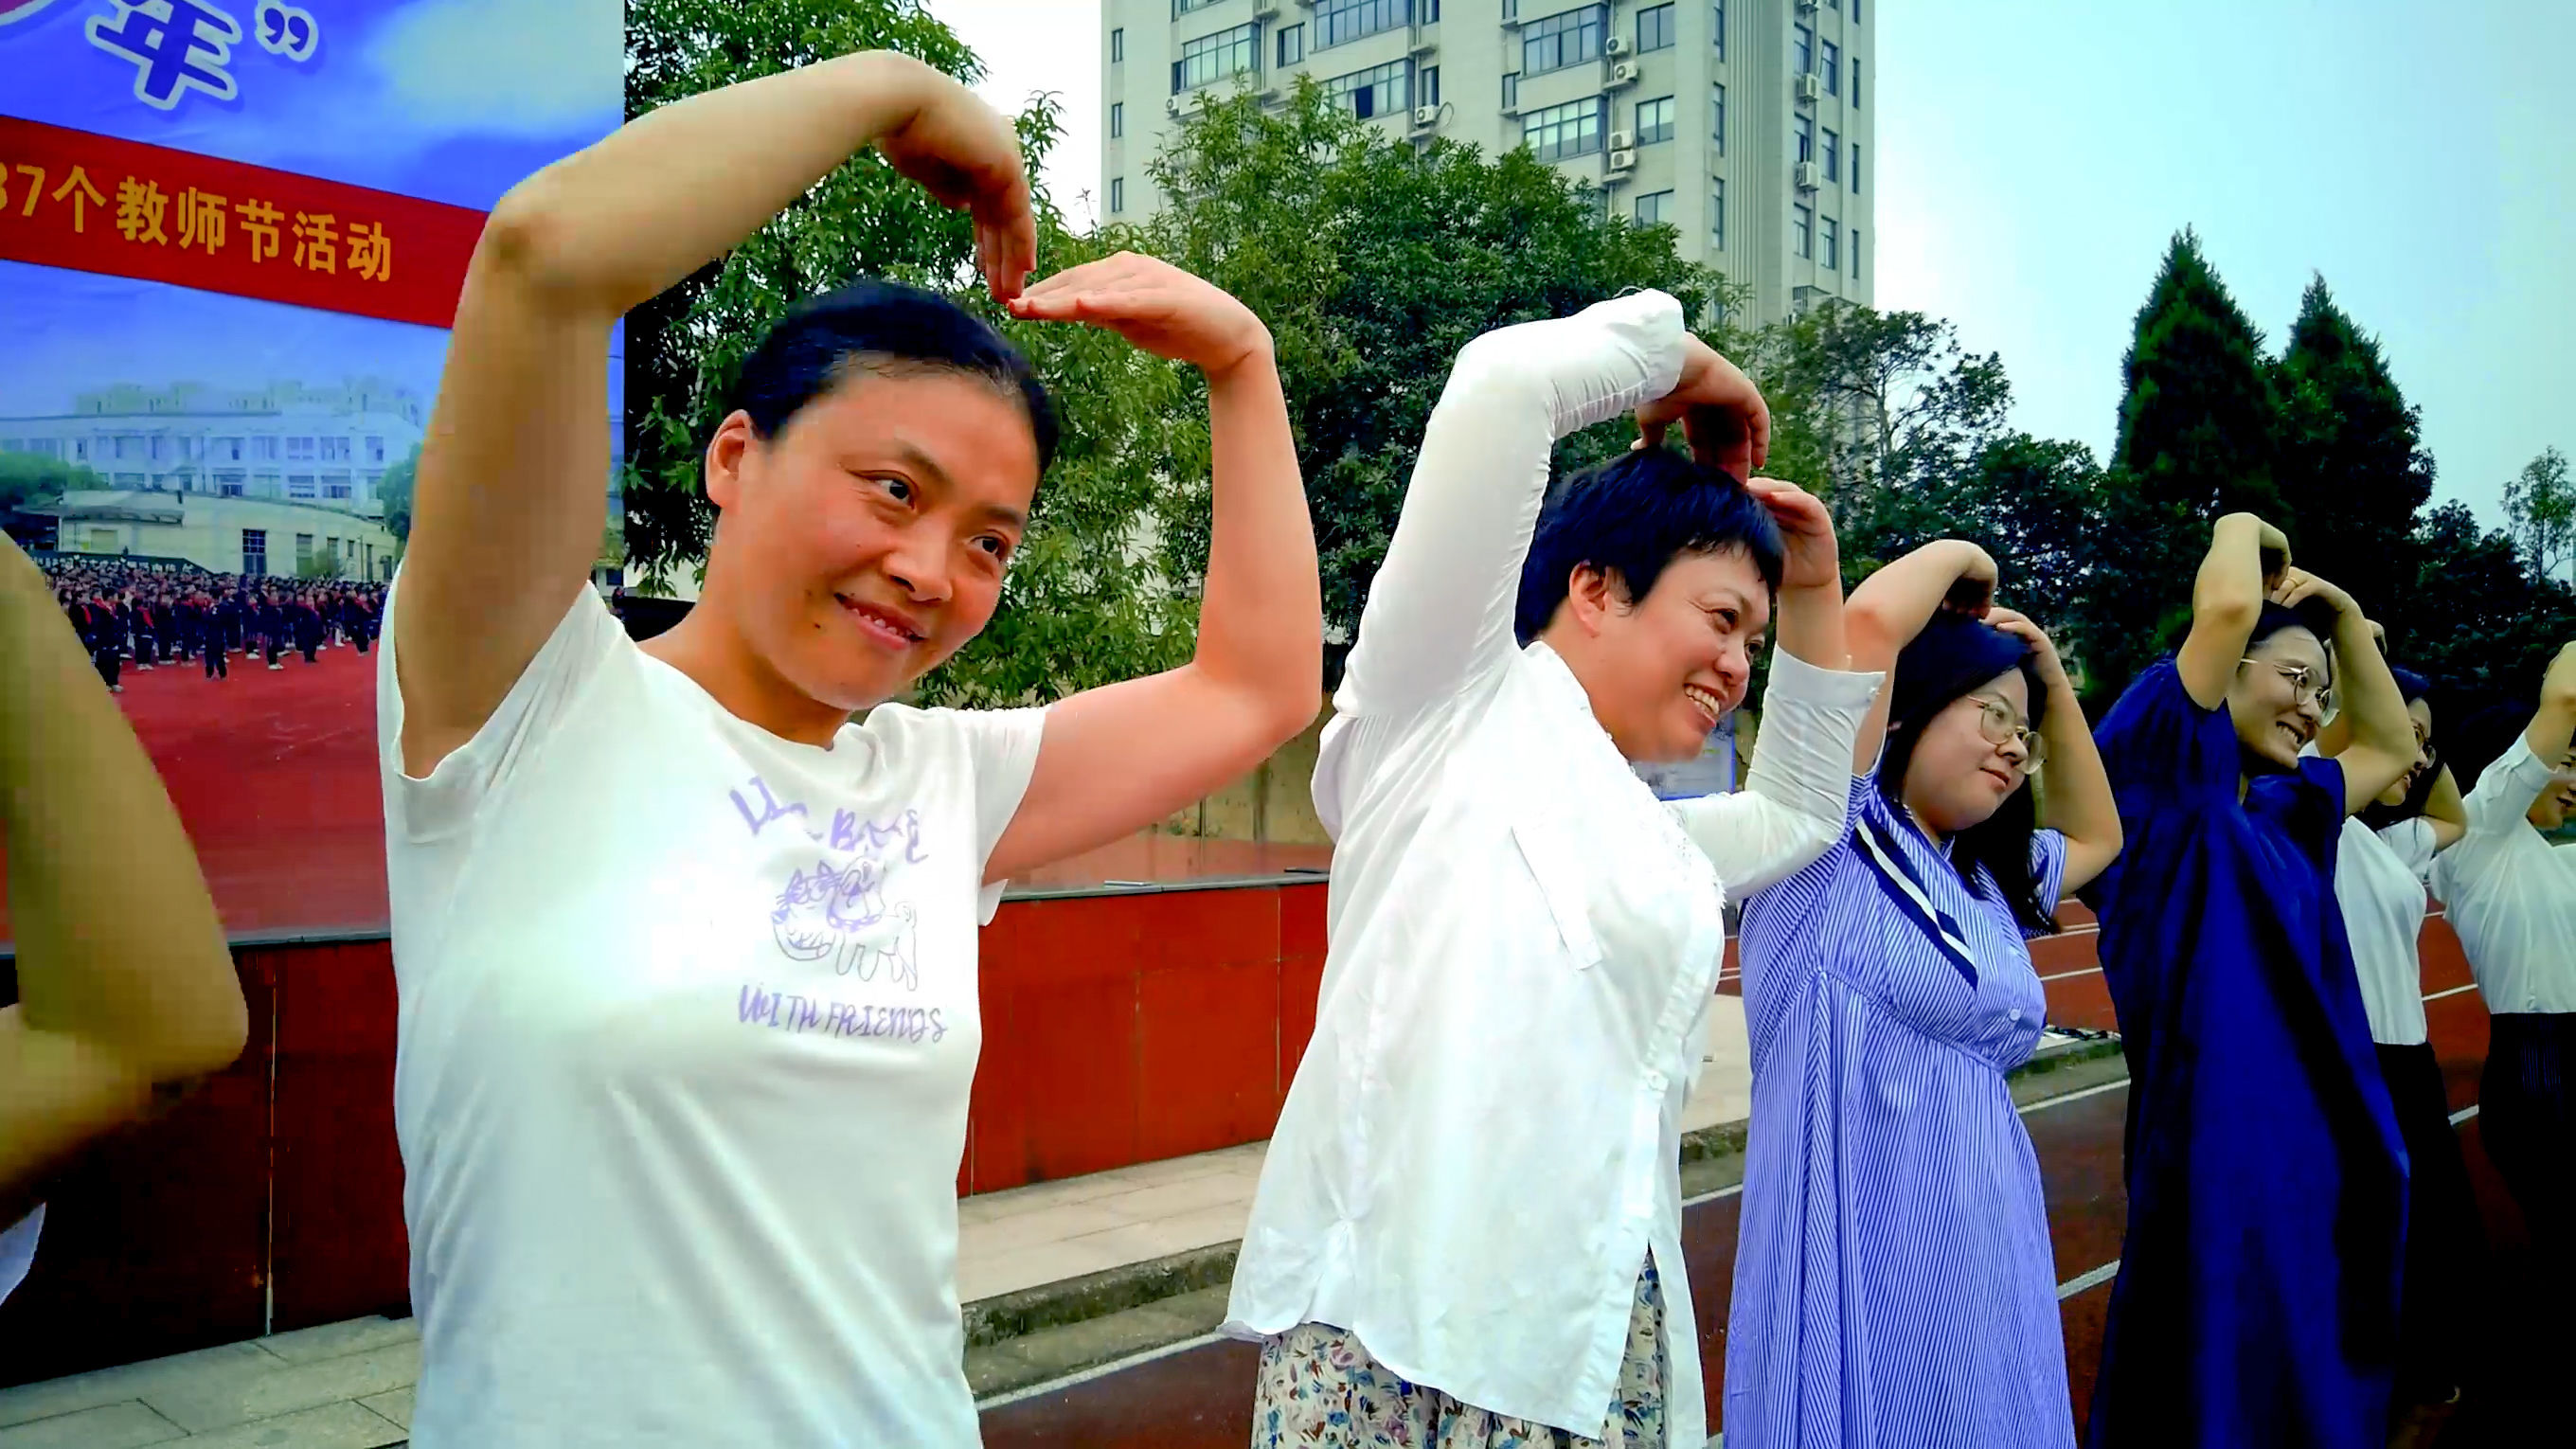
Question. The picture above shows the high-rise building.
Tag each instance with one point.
(1744, 124)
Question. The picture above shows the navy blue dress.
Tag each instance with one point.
(2257, 1296)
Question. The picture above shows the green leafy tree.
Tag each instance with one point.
(30, 479)
(2478, 621)
(395, 493)
(1870, 408)
(2352, 472)
(1373, 261)
(2541, 506)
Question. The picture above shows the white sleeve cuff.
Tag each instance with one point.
(1640, 359)
(1811, 722)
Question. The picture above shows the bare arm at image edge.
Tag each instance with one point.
(115, 1004)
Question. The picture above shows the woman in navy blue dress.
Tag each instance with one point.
(2257, 1298)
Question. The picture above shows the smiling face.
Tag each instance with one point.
(1957, 778)
(1663, 671)
(866, 541)
(2422, 714)
(2275, 719)
(2557, 802)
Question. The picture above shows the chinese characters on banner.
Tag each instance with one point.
(68, 199)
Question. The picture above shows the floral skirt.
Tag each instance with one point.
(1319, 1389)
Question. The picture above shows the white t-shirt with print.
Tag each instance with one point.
(688, 1018)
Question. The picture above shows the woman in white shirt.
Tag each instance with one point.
(2511, 896)
(117, 1007)
(686, 953)
(2382, 866)
(1468, 1225)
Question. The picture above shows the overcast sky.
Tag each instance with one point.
(2035, 157)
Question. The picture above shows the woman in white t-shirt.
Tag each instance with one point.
(116, 1007)
(2382, 866)
(686, 956)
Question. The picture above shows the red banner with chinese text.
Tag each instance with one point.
(96, 204)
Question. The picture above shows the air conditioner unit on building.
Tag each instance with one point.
(1624, 73)
(1425, 117)
(1623, 141)
(1264, 9)
(1806, 7)
(1622, 161)
(1808, 175)
(1615, 45)
(1810, 88)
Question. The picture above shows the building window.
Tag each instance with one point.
(1340, 21)
(229, 484)
(1802, 49)
(299, 485)
(1717, 216)
(1717, 117)
(1572, 129)
(1511, 91)
(1426, 86)
(1380, 90)
(255, 551)
(1717, 28)
(1117, 119)
(303, 552)
(1833, 157)
(1833, 69)
(1655, 28)
(299, 448)
(263, 450)
(1212, 58)
(1855, 95)
(1117, 194)
(1569, 37)
(1184, 7)
(1654, 121)
(1855, 12)
(1830, 233)
(1855, 168)
(335, 450)
(1802, 231)
(336, 487)
(375, 450)
(1803, 130)
(1117, 46)
(1292, 44)
(1654, 208)
(1855, 252)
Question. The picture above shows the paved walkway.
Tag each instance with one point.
(349, 1385)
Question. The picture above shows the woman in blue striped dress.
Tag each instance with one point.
(1893, 1279)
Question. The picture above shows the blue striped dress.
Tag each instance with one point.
(1894, 1283)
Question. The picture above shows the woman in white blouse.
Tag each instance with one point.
(2382, 864)
(1468, 1225)
(2512, 897)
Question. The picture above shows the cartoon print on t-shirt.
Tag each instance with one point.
(839, 914)
(838, 908)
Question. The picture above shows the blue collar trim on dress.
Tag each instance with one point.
(1885, 855)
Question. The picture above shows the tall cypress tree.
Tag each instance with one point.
(2198, 427)
(2351, 470)
(2200, 417)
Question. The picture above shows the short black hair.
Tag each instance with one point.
(2313, 615)
(885, 327)
(1634, 515)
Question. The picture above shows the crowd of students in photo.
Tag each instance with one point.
(640, 1212)
(145, 616)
